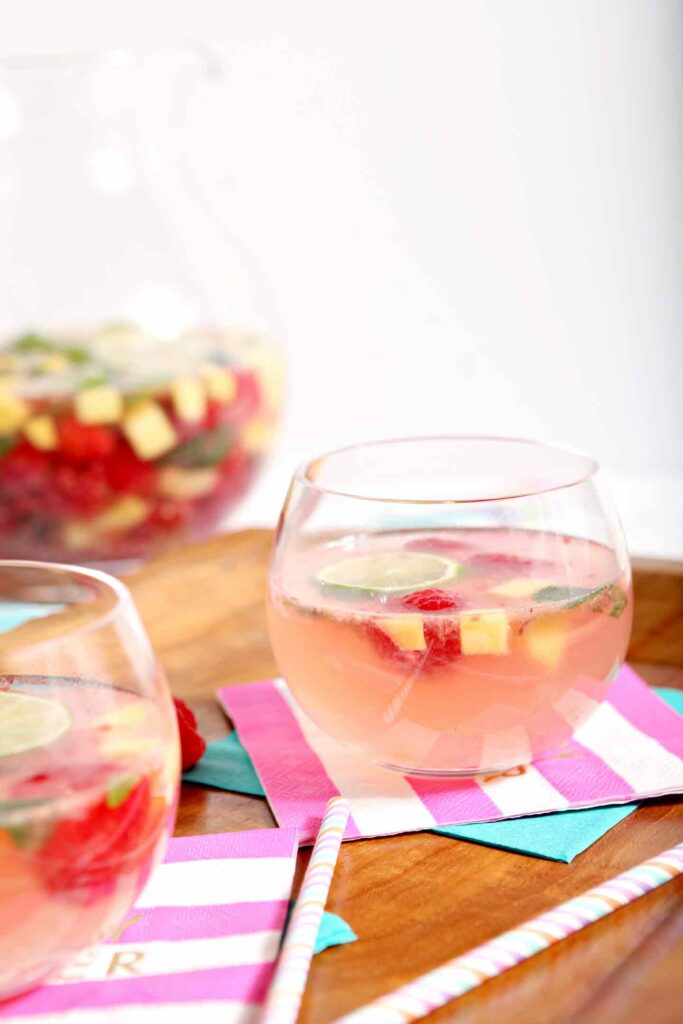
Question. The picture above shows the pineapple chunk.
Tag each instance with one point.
(42, 432)
(55, 362)
(406, 631)
(99, 405)
(122, 747)
(13, 412)
(149, 431)
(484, 632)
(78, 536)
(129, 716)
(545, 639)
(186, 484)
(269, 367)
(8, 362)
(189, 399)
(257, 435)
(520, 587)
(123, 514)
(220, 383)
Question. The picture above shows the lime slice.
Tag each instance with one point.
(27, 722)
(390, 573)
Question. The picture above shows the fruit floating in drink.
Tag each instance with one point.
(88, 781)
(454, 651)
(114, 444)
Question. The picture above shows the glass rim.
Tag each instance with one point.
(122, 597)
(303, 470)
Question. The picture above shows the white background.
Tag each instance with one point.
(469, 213)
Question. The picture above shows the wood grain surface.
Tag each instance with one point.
(418, 899)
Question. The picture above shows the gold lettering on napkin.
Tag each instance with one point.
(118, 932)
(126, 961)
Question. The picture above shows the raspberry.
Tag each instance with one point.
(248, 397)
(433, 600)
(126, 472)
(47, 783)
(192, 745)
(81, 443)
(442, 638)
(385, 646)
(500, 558)
(169, 515)
(186, 714)
(443, 643)
(216, 414)
(502, 561)
(81, 489)
(438, 545)
(192, 748)
(23, 460)
(25, 484)
(90, 850)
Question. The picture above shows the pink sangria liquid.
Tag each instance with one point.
(451, 652)
(83, 819)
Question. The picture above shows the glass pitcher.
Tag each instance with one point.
(139, 386)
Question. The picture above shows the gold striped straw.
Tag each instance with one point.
(287, 988)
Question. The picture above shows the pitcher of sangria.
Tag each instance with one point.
(450, 606)
(139, 384)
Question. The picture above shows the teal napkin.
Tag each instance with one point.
(226, 765)
(560, 836)
(333, 931)
(674, 698)
(16, 613)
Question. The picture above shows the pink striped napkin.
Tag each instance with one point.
(630, 749)
(200, 944)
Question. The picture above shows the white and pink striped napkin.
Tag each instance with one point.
(630, 749)
(200, 943)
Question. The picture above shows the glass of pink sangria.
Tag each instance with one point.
(89, 765)
(449, 606)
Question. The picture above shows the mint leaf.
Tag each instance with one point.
(21, 836)
(612, 599)
(619, 599)
(206, 449)
(7, 444)
(573, 596)
(95, 380)
(28, 835)
(76, 353)
(33, 343)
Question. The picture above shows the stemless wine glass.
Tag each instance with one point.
(449, 605)
(89, 764)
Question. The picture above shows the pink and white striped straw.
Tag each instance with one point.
(287, 988)
(438, 987)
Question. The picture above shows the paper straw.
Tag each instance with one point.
(434, 989)
(284, 998)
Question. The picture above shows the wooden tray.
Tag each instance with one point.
(418, 899)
